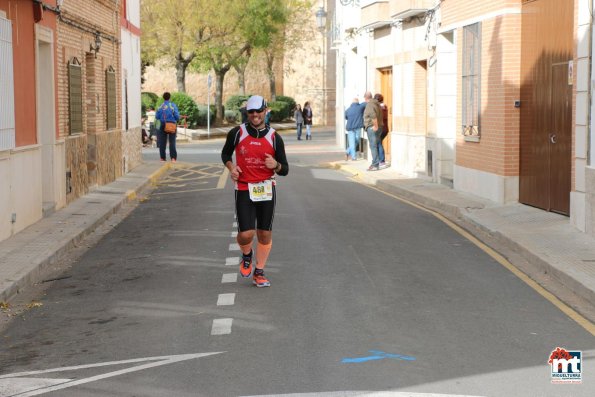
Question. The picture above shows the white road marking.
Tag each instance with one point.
(35, 387)
(363, 394)
(234, 247)
(235, 225)
(232, 261)
(234, 234)
(229, 278)
(221, 326)
(226, 299)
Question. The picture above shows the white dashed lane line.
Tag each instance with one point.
(234, 247)
(231, 261)
(226, 299)
(229, 278)
(221, 326)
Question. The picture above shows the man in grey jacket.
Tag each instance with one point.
(373, 125)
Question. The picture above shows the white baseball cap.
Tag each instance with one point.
(256, 102)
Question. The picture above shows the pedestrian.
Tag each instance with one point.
(151, 122)
(381, 158)
(299, 120)
(167, 113)
(144, 137)
(267, 116)
(373, 126)
(355, 122)
(244, 113)
(307, 113)
(259, 155)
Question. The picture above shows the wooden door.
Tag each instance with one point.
(386, 89)
(546, 104)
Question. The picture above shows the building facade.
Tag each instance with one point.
(130, 84)
(489, 97)
(31, 153)
(61, 84)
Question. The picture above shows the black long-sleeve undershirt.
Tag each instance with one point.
(233, 137)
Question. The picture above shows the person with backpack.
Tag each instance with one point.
(167, 113)
(259, 155)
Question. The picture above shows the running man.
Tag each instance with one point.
(260, 154)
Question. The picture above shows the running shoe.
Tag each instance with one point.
(260, 280)
(246, 265)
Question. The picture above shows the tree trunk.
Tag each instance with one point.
(241, 81)
(181, 75)
(219, 78)
(271, 74)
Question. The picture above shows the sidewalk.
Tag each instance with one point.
(25, 257)
(544, 239)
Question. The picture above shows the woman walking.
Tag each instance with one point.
(307, 113)
(299, 120)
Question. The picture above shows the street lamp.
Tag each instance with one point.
(321, 19)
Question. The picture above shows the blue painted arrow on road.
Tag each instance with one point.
(377, 355)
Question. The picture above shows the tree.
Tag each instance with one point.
(293, 25)
(175, 30)
(243, 27)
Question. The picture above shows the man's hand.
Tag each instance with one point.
(235, 172)
(270, 162)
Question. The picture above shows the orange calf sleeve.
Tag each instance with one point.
(262, 254)
(246, 248)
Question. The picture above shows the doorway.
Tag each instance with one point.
(546, 104)
(45, 113)
(386, 89)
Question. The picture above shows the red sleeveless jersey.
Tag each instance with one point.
(250, 155)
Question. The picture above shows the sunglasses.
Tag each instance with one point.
(252, 111)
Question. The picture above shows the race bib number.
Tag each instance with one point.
(262, 191)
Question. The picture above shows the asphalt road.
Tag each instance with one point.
(369, 296)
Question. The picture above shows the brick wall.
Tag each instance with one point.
(90, 159)
(497, 151)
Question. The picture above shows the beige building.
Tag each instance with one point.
(491, 97)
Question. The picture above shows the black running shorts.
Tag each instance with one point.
(252, 215)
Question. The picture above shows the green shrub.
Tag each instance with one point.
(280, 111)
(289, 100)
(235, 102)
(202, 114)
(186, 106)
(232, 116)
(149, 99)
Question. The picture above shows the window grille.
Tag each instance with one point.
(75, 92)
(471, 79)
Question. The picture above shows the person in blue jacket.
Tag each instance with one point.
(355, 122)
(167, 112)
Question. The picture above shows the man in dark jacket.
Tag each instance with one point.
(355, 122)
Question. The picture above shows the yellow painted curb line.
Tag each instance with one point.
(574, 315)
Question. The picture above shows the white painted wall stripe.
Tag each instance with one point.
(226, 299)
(229, 278)
(221, 326)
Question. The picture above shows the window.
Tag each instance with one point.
(110, 79)
(471, 81)
(7, 133)
(75, 92)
